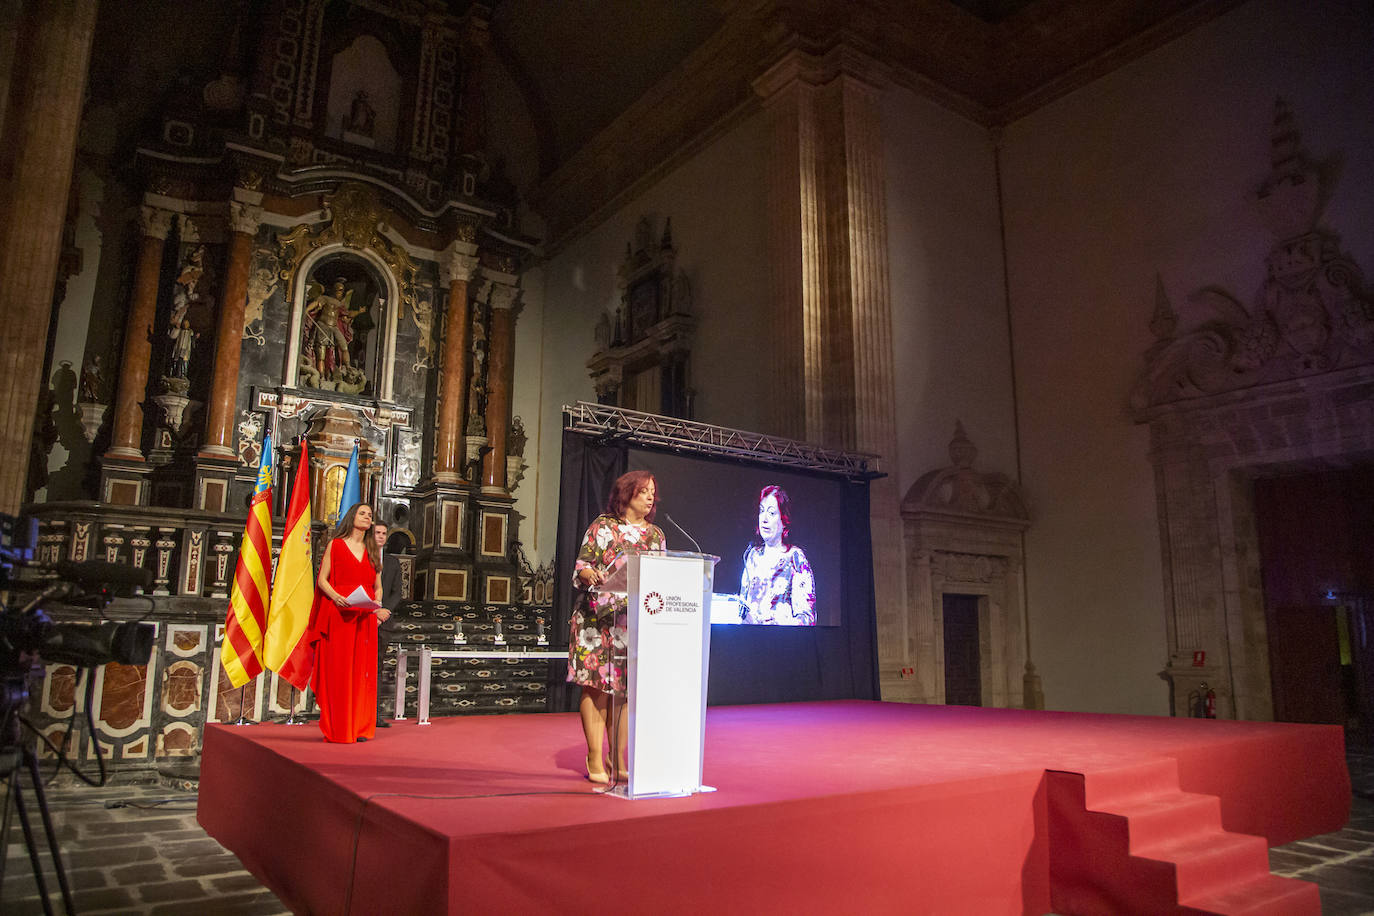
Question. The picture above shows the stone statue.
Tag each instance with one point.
(92, 382)
(516, 439)
(183, 340)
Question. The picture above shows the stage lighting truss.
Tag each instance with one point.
(634, 427)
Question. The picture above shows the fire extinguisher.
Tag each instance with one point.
(1204, 702)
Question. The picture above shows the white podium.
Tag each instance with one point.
(668, 650)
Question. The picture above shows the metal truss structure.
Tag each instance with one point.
(634, 427)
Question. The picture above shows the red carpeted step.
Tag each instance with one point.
(1168, 816)
(1267, 896)
(1128, 840)
(1105, 788)
(1208, 862)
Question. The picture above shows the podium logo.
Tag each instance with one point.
(653, 602)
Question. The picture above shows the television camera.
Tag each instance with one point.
(28, 639)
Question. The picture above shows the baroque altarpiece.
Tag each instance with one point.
(327, 254)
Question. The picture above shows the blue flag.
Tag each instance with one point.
(352, 492)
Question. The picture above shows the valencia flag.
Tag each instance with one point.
(241, 653)
(286, 649)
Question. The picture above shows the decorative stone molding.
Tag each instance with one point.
(457, 265)
(1313, 313)
(505, 297)
(963, 531)
(650, 335)
(244, 217)
(155, 222)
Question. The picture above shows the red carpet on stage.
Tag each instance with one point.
(822, 807)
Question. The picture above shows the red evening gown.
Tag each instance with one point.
(345, 678)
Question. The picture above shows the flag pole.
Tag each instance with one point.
(242, 720)
(291, 719)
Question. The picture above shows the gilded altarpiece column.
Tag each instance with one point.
(829, 253)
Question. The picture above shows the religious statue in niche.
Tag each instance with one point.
(336, 351)
(362, 117)
(191, 306)
(477, 383)
(183, 340)
(92, 380)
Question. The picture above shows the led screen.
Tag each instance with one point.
(769, 574)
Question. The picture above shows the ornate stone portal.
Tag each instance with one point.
(1284, 387)
(963, 537)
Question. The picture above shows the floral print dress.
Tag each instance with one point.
(596, 649)
(781, 593)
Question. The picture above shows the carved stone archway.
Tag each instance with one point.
(1286, 386)
(963, 533)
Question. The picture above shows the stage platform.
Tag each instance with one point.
(844, 806)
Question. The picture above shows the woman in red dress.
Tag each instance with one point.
(345, 678)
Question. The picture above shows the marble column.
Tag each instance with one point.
(219, 427)
(452, 404)
(42, 91)
(500, 378)
(216, 462)
(154, 226)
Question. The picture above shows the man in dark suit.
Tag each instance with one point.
(391, 599)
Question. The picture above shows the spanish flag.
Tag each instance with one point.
(241, 653)
(286, 649)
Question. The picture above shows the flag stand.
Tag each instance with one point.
(291, 719)
(242, 720)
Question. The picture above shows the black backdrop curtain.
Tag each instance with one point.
(589, 466)
(749, 664)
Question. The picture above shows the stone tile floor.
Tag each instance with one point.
(138, 849)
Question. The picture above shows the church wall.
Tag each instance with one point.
(528, 395)
(1150, 171)
(949, 323)
(716, 200)
(69, 345)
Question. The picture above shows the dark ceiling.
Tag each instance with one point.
(581, 63)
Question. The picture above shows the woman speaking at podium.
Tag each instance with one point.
(596, 648)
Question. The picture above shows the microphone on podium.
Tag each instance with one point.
(684, 532)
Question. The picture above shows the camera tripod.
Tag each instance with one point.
(14, 760)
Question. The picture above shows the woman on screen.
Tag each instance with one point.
(597, 647)
(777, 586)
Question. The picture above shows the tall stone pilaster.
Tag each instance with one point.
(829, 266)
(42, 88)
